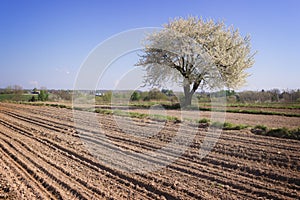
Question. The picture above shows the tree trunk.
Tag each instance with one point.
(187, 95)
(187, 100)
(188, 92)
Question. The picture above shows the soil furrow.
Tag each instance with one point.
(56, 154)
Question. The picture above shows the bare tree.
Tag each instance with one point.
(196, 53)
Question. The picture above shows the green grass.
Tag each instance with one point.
(204, 120)
(104, 111)
(137, 115)
(203, 107)
(267, 105)
(14, 97)
(284, 133)
(260, 112)
(34, 104)
(57, 105)
(277, 132)
(228, 126)
(261, 127)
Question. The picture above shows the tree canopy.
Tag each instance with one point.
(196, 53)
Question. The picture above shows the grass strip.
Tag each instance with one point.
(260, 112)
(276, 106)
(277, 132)
(254, 112)
(122, 113)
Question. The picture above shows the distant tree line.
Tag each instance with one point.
(17, 93)
(263, 96)
(273, 95)
(154, 94)
(13, 89)
(58, 95)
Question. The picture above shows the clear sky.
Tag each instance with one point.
(43, 43)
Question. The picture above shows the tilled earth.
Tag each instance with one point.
(45, 156)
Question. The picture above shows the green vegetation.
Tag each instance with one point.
(206, 107)
(136, 96)
(267, 105)
(57, 105)
(260, 112)
(261, 127)
(17, 94)
(277, 132)
(168, 100)
(219, 125)
(228, 126)
(204, 120)
(43, 95)
(137, 115)
(14, 97)
(285, 133)
(225, 126)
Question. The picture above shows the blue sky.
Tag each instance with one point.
(44, 43)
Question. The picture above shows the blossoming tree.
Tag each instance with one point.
(196, 53)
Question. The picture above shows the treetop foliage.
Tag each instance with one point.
(196, 52)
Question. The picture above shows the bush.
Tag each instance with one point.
(136, 96)
(32, 99)
(43, 96)
(155, 94)
(262, 127)
(204, 120)
(278, 132)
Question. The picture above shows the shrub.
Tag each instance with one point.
(136, 96)
(262, 127)
(32, 99)
(278, 132)
(43, 96)
(155, 94)
(204, 120)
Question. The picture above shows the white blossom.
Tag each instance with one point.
(197, 53)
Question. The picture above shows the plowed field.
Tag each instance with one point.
(43, 157)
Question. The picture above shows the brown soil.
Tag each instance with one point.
(43, 157)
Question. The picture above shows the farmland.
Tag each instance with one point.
(43, 156)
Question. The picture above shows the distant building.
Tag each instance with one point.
(99, 94)
(35, 92)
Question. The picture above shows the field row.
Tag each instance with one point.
(61, 159)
